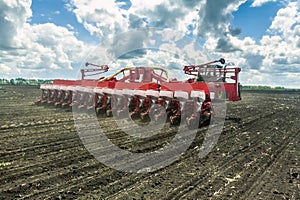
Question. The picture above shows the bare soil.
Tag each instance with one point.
(256, 157)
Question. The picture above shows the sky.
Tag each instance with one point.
(45, 39)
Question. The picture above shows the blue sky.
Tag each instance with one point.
(55, 11)
(51, 39)
(255, 21)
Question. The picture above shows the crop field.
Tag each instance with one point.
(257, 155)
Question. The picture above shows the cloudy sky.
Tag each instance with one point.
(52, 39)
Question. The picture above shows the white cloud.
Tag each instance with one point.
(100, 19)
(283, 45)
(275, 55)
(13, 16)
(51, 50)
(211, 21)
(106, 20)
(285, 19)
(70, 27)
(4, 68)
(35, 50)
(214, 22)
(109, 20)
(257, 3)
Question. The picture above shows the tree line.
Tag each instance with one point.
(23, 81)
(262, 87)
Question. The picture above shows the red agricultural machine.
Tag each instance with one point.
(147, 93)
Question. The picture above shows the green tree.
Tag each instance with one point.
(12, 81)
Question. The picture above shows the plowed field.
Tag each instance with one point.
(256, 157)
